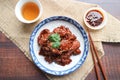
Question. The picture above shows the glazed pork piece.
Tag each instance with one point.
(43, 37)
(57, 46)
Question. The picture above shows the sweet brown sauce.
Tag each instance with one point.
(30, 11)
(94, 18)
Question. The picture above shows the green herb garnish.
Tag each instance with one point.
(55, 44)
(55, 39)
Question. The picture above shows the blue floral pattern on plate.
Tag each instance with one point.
(85, 51)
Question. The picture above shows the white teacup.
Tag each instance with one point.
(18, 10)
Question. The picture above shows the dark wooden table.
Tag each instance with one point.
(15, 66)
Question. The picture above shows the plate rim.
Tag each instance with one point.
(85, 51)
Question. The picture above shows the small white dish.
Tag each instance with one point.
(18, 10)
(103, 22)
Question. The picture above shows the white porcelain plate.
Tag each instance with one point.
(51, 23)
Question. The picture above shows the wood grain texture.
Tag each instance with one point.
(15, 66)
(111, 62)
